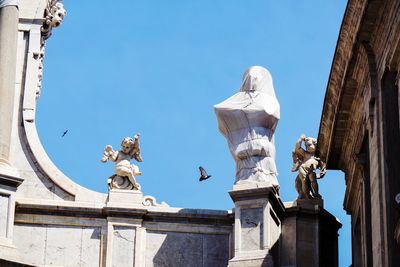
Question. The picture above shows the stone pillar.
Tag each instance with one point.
(126, 236)
(257, 228)
(9, 178)
(309, 235)
(8, 58)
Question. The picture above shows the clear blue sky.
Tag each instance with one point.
(158, 67)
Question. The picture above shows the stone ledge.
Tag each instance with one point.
(256, 191)
(311, 209)
(260, 259)
(87, 209)
(9, 180)
(6, 263)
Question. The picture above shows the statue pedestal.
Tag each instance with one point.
(258, 213)
(116, 197)
(313, 203)
(309, 235)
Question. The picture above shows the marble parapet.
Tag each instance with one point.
(118, 235)
(87, 209)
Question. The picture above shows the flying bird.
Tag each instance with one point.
(203, 174)
(66, 131)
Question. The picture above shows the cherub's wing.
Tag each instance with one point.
(138, 157)
(135, 152)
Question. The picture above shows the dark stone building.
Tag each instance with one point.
(359, 132)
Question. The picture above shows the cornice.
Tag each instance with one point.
(147, 214)
(343, 54)
(10, 181)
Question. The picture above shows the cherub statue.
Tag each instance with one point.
(54, 15)
(130, 149)
(306, 163)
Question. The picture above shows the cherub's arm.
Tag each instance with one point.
(135, 152)
(298, 150)
(298, 154)
(109, 154)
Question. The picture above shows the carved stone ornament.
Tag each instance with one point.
(39, 57)
(248, 121)
(54, 15)
(150, 201)
(125, 172)
(306, 163)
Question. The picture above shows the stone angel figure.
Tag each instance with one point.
(306, 163)
(125, 172)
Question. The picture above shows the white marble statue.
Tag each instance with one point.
(306, 163)
(248, 121)
(125, 172)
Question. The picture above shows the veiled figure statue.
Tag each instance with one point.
(248, 121)
(125, 172)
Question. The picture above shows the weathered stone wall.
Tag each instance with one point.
(359, 130)
(59, 245)
(82, 235)
(188, 249)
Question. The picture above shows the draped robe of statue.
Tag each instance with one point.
(248, 121)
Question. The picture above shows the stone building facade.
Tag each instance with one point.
(359, 132)
(46, 219)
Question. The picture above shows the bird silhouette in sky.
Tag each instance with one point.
(66, 131)
(203, 174)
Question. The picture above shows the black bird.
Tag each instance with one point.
(66, 131)
(203, 174)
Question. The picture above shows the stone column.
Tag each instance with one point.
(8, 58)
(9, 180)
(257, 228)
(309, 235)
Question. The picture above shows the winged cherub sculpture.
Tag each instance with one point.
(125, 172)
(306, 163)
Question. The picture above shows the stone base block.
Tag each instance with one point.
(249, 185)
(126, 197)
(309, 235)
(252, 261)
(257, 228)
(310, 203)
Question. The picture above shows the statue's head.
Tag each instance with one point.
(127, 145)
(58, 13)
(257, 78)
(310, 144)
